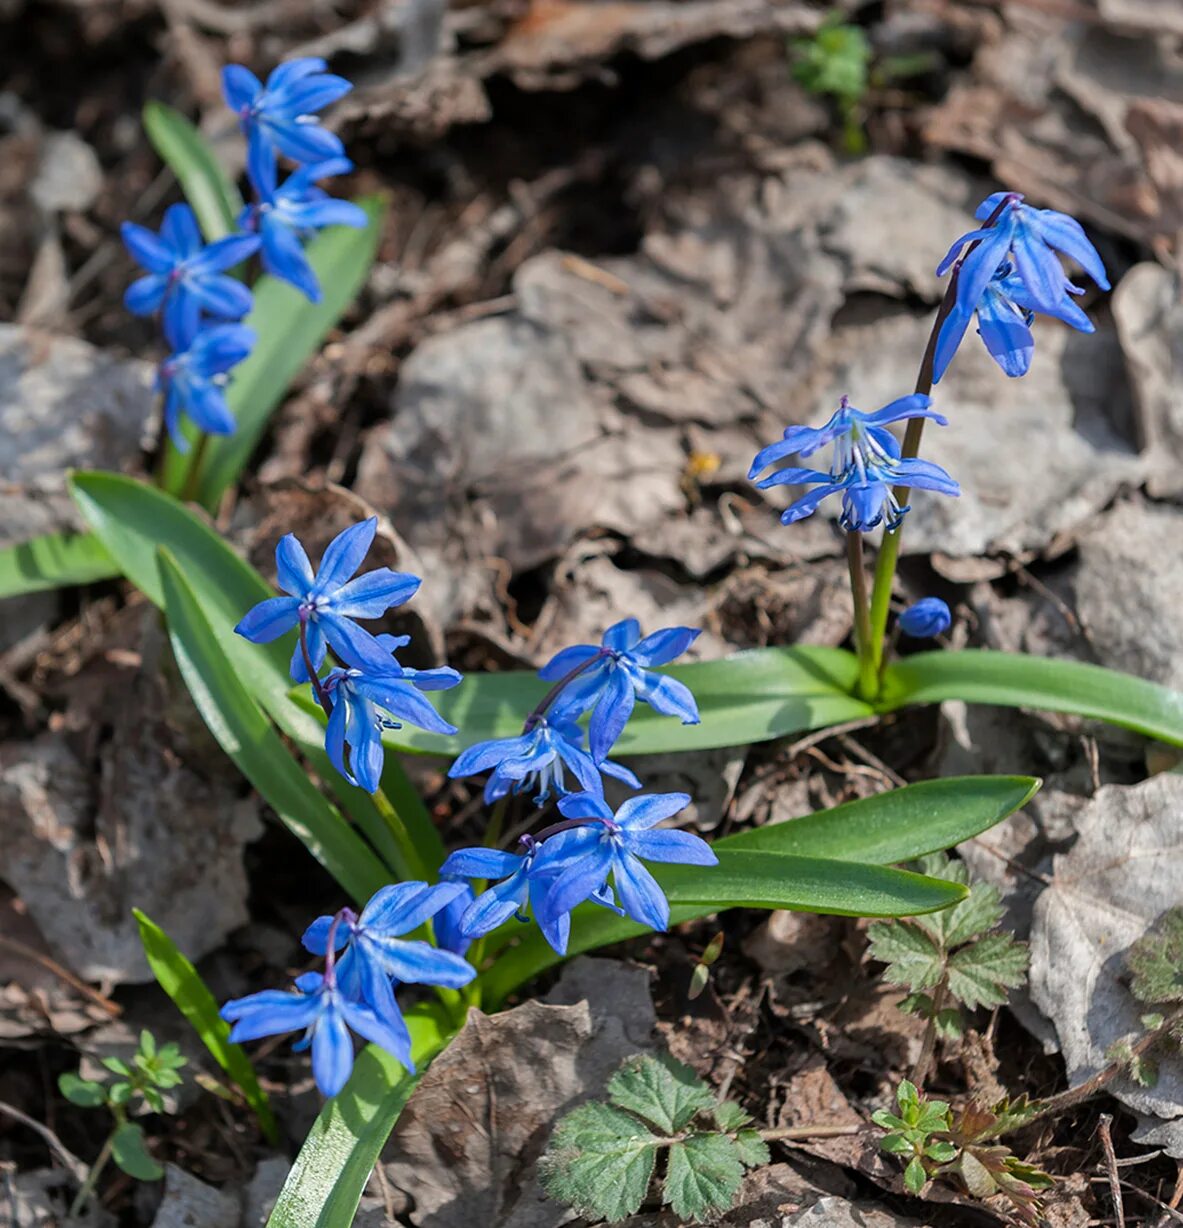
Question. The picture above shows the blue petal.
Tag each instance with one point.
(220, 295)
(493, 907)
(388, 1031)
(792, 477)
(577, 882)
(1066, 235)
(314, 93)
(287, 73)
(949, 340)
(668, 696)
(317, 651)
(180, 230)
(306, 142)
(344, 555)
(808, 503)
(484, 755)
(317, 214)
(316, 936)
(269, 1013)
(400, 699)
(269, 620)
(587, 805)
(240, 86)
(641, 813)
(224, 254)
(619, 772)
(661, 647)
(347, 639)
(1041, 272)
(283, 257)
(916, 405)
(419, 963)
(293, 570)
(403, 907)
(147, 249)
(639, 893)
(145, 294)
(622, 636)
(563, 662)
(335, 738)
(481, 863)
(925, 475)
(260, 164)
(679, 847)
(332, 1053)
(611, 714)
(1005, 334)
(371, 595)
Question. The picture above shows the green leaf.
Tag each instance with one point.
(1016, 680)
(120, 1093)
(181, 981)
(703, 1176)
(978, 913)
(1156, 962)
(895, 1144)
(981, 973)
(289, 330)
(730, 1116)
(247, 736)
(600, 1161)
(84, 1092)
(753, 1150)
(911, 956)
(328, 1176)
(207, 187)
(130, 1153)
(748, 697)
(915, 1177)
(154, 1099)
(56, 560)
(117, 1066)
(941, 1152)
(147, 1043)
(661, 1090)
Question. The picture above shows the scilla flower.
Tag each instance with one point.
(926, 618)
(193, 380)
(613, 675)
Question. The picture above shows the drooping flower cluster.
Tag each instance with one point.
(368, 690)
(365, 957)
(189, 282)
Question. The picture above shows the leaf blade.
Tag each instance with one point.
(54, 560)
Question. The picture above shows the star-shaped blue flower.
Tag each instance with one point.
(865, 468)
(325, 603)
(325, 1013)
(374, 683)
(1005, 314)
(613, 845)
(193, 380)
(1030, 238)
(616, 673)
(539, 758)
(377, 954)
(279, 117)
(185, 275)
(285, 216)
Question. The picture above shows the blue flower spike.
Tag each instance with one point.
(184, 275)
(370, 685)
(193, 380)
(927, 618)
(864, 469)
(609, 679)
(355, 990)
(284, 216)
(615, 845)
(280, 117)
(323, 605)
(539, 759)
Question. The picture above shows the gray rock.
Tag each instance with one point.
(190, 1203)
(68, 175)
(263, 1190)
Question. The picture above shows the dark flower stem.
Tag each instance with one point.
(889, 550)
(322, 695)
(544, 704)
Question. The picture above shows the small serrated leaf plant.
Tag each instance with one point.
(137, 1084)
(602, 1157)
(954, 960)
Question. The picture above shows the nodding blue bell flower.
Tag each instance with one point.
(373, 683)
(193, 380)
(279, 117)
(185, 275)
(927, 618)
(539, 758)
(284, 216)
(325, 603)
(1005, 313)
(865, 467)
(616, 673)
(1030, 239)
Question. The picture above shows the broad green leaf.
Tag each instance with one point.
(600, 1161)
(753, 1150)
(730, 1116)
(247, 736)
(703, 1175)
(981, 973)
(84, 1092)
(1015, 680)
(289, 329)
(132, 519)
(129, 1152)
(912, 957)
(207, 187)
(978, 913)
(661, 1090)
(328, 1176)
(181, 981)
(56, 560)
(749, 697)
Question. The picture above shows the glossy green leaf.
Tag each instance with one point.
(85, 1093)
(881, 830)
(334, 1164)
(207, 187)
(181, 981)
(289, 329)
(248, 737)
(981, 676)
(129, 1151)
(56, 560)
(132, 519)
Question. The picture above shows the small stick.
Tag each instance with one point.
(26, 952)
(1103, 1133)
(76, 1167)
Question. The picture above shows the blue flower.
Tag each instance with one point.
(1005, 314)
(614, 675)
(449, 935)
(377, 953)
(325, 1013)
(928, 617)
(185, 275)
(325, 603)
(374, 682)
(613, 845)
(538, 758)
(284, 216)
(865, 467)
(279, 117)
(193, 379)
(1030, 238)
